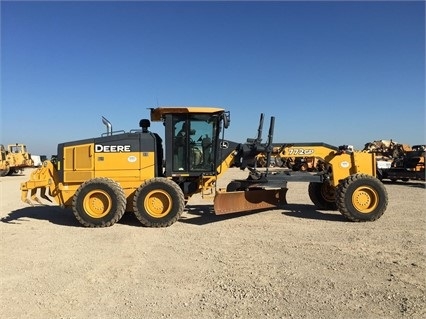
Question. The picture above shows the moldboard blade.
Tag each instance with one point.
(251, 200)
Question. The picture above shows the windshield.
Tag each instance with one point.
(193, 137)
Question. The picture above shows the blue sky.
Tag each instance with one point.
(334, 72)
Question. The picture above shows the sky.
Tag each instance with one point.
(347, 72)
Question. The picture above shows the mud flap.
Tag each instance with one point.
(251, 200)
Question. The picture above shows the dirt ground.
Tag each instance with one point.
(295, 262)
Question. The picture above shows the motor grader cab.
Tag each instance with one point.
(100, 178)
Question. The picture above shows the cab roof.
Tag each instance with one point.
(158, 113)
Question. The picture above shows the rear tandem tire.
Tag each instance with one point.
(361, 198)
(158, 202)
(99, 202)
(323, 195)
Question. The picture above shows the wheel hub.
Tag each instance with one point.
(365, 199)
(97, 204)
(158, 204)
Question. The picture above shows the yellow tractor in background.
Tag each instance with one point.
(18, 157)
(101, 178)
(4, 164)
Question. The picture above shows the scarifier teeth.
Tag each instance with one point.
(36, 199)
(43, 195)
(33, 197)
(29, 202)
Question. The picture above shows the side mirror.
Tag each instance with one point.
(226, 119)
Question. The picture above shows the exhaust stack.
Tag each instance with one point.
(108, 125)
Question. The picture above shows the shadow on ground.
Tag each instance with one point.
(309, 212)
(204, 214)
(56, 215)
(408, 184)
(199, 215)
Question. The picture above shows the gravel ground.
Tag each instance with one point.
(295, 262)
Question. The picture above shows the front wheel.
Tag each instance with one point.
(233, 186)
(361, 198)
(158, 202)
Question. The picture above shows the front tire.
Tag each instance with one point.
(99, 202)
(361, 198)
(323, 195)
(158, 202)
(233, 186)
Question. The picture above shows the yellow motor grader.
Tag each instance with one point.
(18, 158)
(101, 178)
(4, 164)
